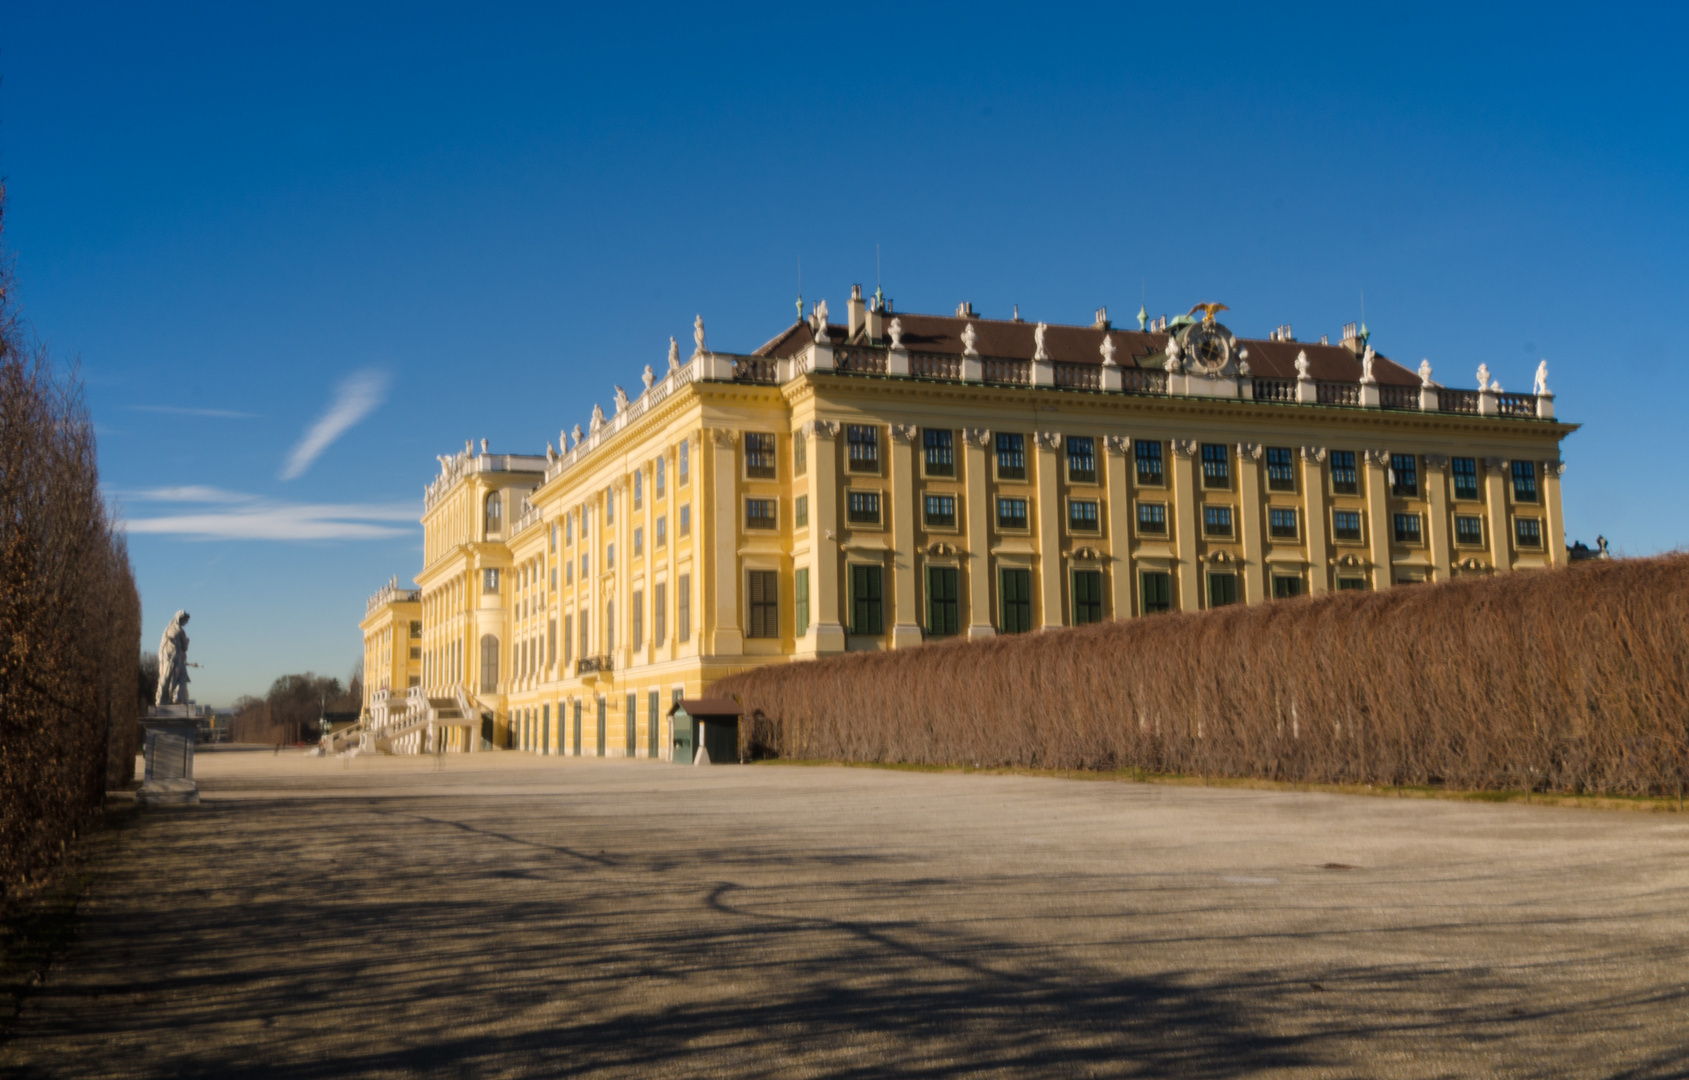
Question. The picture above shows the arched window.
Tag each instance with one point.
(489, 664)
(495, 512)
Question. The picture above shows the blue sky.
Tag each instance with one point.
(300, 252)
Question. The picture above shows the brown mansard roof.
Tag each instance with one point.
(1012, 340)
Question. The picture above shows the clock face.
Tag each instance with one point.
(1209, 349)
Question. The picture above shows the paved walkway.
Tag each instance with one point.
(509, 916)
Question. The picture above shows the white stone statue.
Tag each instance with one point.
(1366, 366)
(1038, 352)
(820, 323)
(1483, 377)
(1302, 365)
(968, 339)
(173, 663)
(648, 378)
(1541, 387)
(550, 454)
(483, 446)
(674, 355)
(896, 330)
(1425, 373)
(597, 418)
(698, 336)
(577, 434)
(1175, 354)
(1108, 350)
(621, 400)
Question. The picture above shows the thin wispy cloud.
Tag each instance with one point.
(356, 398)
(183, 410)
(209, 513)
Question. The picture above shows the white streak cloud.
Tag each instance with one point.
(216, 514)
(182, 410)
(356, 398)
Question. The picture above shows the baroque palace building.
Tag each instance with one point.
(905, 478)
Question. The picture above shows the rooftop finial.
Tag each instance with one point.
(1143, 317)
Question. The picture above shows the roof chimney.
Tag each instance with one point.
(1351, 339)
(1102, 322)
(965, 310)
(857, 312)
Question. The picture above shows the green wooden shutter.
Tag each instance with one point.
(942, 614)
(866, 607)
(1015, 593)
(1087, 597)
(800, 598)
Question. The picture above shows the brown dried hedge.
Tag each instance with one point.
(69, 614)
(1573, 680)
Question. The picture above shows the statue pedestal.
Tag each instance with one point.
(169, 749)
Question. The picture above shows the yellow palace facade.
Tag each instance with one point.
(905, 478)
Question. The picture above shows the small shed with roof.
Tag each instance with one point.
(706, 731)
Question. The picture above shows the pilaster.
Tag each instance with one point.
(974, 469)
(906, 625)
(1183, 467)
(1316, 519)
(1554, 529)
(1117, 464)
(1378, 517)
(823, 535)
(1437, 496)
(1047, 445)
(1495, 504)
(721, 556)
(1251, 518)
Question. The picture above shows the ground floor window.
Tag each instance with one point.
(943, 608)
(867, 604)
(764, 590)
(1286, 587)
(1345, 584)
(1222, 589)
(653, 724)
(1087, 597)
(800, 601)
(1156, 591)
(1014, 596)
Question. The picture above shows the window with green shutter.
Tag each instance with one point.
(1222, 590)
(1015, 600)
(943, 614)
(867, 608)
(800, 599)
(1157, 591)
(765, 604)
(1087, 597)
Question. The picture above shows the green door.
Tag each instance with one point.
(721, 739)
(633, 725)
(683, 750)
(603, 722)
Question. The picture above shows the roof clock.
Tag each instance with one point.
(1208, 347)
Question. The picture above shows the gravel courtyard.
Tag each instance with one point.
(501, 915)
